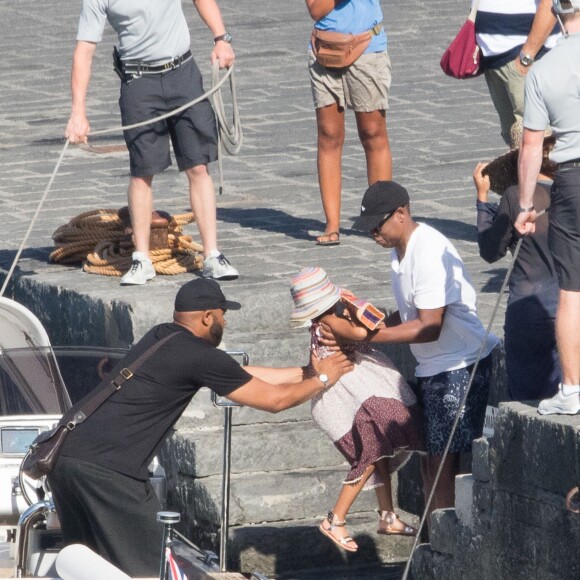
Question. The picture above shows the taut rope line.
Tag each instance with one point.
(463, 401)
(233, 138)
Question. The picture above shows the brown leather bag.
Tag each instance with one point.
(339, 50)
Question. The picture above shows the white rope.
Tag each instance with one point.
(232, 136)
(463, 401)
(38, 208)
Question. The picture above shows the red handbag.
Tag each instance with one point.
(462, 59)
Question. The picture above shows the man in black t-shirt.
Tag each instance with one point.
(100, 483)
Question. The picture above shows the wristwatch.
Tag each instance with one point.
(526, 59)
(525, 209)
(226, 37)
(324, 380)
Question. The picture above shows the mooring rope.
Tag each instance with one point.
(462, 404)
(234, 133)
(98, 239)
(31, 225)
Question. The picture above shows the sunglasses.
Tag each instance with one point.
(377, 229)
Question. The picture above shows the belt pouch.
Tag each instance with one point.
(338, 50)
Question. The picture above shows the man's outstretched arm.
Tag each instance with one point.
(276, 396)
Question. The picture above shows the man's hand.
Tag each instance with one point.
(224, 53)
(334, 366)
(525, 222)
(481, 182)
(77, 129)
(523, 70)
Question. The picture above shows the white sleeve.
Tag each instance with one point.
(92, 20)
(536, 115)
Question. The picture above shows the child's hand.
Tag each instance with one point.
(327, 338)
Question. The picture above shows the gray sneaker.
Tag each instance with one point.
(560, 404)
(141, 270)
(219, 268)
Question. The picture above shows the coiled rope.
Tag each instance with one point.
(98, 239)
(225, 135)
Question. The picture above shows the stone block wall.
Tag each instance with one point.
(510, 519)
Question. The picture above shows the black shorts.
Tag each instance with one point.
(564, 232)
(193, 132)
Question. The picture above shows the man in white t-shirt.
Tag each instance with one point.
(438, 318)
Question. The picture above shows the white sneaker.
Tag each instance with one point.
(219, 268)
(560, 404)
(141, 270)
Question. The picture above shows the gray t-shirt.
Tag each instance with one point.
(152, 31)
(553, 97)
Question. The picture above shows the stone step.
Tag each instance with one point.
(255, 448)
(266, 497)
(299, 545)
(202, 413)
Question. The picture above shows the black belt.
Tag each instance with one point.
(571, 163)
(141, 68)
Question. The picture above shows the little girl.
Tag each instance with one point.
(370, 413)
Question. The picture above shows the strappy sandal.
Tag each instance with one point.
(334, 523)
(387, 521)
(330, 239)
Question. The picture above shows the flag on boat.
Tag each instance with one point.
(175, 572)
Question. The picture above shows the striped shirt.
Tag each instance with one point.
(502, 28)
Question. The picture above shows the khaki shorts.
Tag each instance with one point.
(363, 86)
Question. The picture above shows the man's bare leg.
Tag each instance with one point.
(203, 204)
(140, 199)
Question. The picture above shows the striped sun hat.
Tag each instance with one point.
(313, 294)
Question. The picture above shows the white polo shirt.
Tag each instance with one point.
(432, 275)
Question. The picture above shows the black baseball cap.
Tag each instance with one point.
(379, 200)
(202, 294)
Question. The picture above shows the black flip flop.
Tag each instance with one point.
(330, 241)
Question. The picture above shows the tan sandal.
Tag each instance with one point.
(334, 523)
(387, 521)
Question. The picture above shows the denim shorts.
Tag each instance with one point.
(193, 132)
(440, 397)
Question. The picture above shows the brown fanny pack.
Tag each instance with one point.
(339, 50)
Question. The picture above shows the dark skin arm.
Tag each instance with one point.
(320, 8)
(425, 328)
(345, 327)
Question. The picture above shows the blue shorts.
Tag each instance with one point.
(193, 132)
(440, 397)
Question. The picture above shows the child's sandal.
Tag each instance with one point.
(333, 523)
(387, 525)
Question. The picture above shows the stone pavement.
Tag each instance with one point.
(439, 129)
(270, 211)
